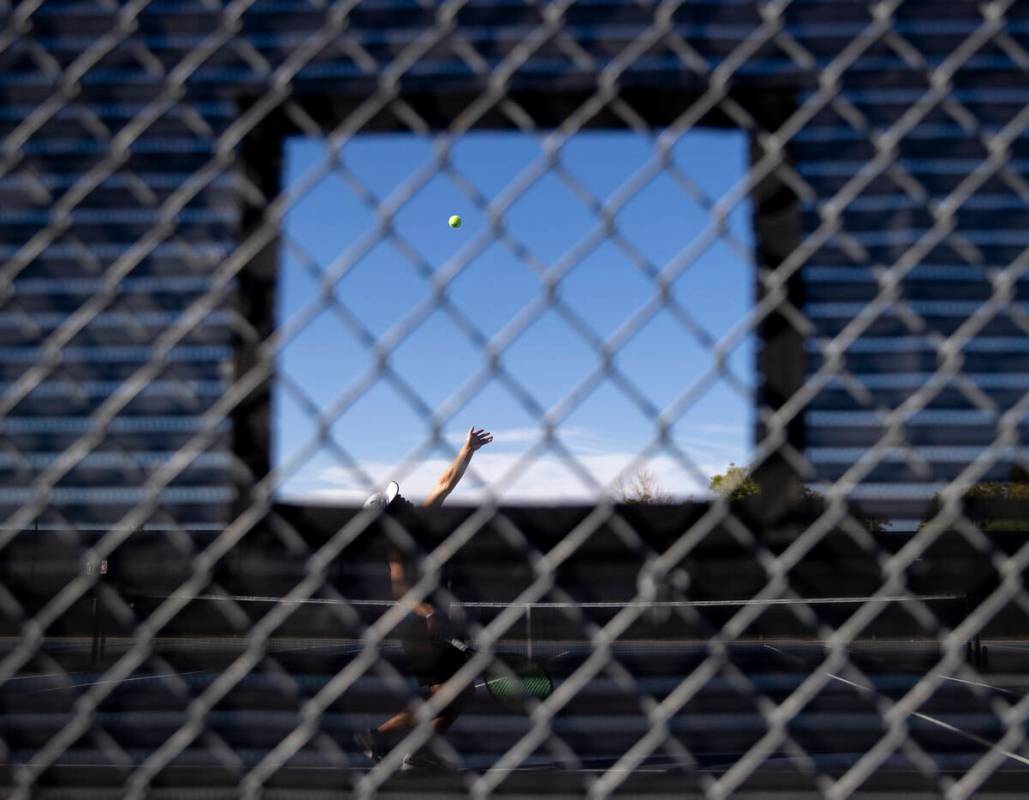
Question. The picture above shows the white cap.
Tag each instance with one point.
(383, 499)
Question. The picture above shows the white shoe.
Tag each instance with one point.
(368, 743)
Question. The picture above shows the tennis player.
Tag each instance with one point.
(422, 633)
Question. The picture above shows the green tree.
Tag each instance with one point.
(735, 483)
(1016, 488)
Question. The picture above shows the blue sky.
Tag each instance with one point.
(335, 223)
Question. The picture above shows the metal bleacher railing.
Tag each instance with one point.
(170, 629)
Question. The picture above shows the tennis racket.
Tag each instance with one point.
(512, 679)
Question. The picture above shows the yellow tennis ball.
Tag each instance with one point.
(455, 221)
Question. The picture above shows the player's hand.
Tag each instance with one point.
(477, 438)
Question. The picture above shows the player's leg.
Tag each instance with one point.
(433, 661)
(442, 722)
(447, 661)
(373, 742)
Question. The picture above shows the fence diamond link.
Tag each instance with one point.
(173, 74)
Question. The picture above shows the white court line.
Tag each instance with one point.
(261, 598)
(601, 769)
(312, 768)
(780, 601)
(794, 659)
(358, 649)
(173, 674)
(946, 677)
(978, 683)
(351, 648)
(946, 725)
(120, 680)
(36, 677)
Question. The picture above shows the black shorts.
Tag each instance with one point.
(433, 659)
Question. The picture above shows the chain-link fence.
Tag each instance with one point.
(847, 617)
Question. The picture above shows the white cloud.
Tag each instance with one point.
(547, 479)
(700, 447)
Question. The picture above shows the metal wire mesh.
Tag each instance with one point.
(143, 215)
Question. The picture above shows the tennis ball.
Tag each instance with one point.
(455, 221)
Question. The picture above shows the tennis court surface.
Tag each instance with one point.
(725, 717)
(722, 681)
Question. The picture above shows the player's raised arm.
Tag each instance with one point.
(452, 475)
